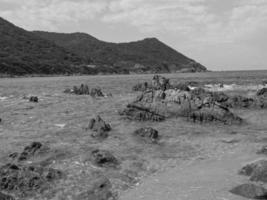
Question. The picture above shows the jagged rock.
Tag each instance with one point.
(148, 134)
(263, 150)
(262, 92)
(100, 127)
(103, 158)
(85, 90)
(160, 83)
(96, 92)
(141, 87)
(256, 170)
(28, 152)
(99, 189)
(141, 113)
(26, 178)
(251, 191)
(33, 99)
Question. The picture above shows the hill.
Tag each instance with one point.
(148, 55)
(22, 52)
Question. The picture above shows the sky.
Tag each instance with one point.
(220, 34)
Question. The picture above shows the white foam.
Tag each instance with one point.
(232, 87)
(60, 125)
(3, 98)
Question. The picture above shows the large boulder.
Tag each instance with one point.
(103, 158)
(148, 134)
(256, 170)
(99, 127)
(263, 150)
(250, 191)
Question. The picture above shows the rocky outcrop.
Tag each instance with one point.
(257, 171)
(250, 191)
(99, 127)
(139, 112)
(263, 150)
(85, 90)
(262, 92)
(104, 158)
(147, 134)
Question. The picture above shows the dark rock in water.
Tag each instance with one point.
(256, 170)
(29, 151)
(103, 158)
(251, 191)
(26, 178)
(215, 113)
(148, 133)
(100, 127)
(96, 92)
(33, 99)
(262, 92)
(160, 83)
(141, 113)
(85, 90)
(99, 189)
(141, 87)
(263, 150)
(6, 197)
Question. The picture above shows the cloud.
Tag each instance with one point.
(49, 14)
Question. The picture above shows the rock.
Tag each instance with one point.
(160, 83)
(251, 191)
(100, 127)
(28, 152)
(6, 197)
(103, 158)
(256, 170)
(262, 92)
(141, 87)
(26, 178)
(99, 189)
(33, 99)
(148, 134)
(85, 90)
(141, 113)
(96, 92)
(263, 150)
(212, 113)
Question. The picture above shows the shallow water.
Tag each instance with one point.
(60, 120)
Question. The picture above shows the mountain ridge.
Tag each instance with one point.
(37, 52)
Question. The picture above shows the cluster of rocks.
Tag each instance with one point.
(21, 178)
(147, 134)
(85, 90)
(257, 172)
(34, 99)
(162, 100)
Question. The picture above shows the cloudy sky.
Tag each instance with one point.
(221, 34)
